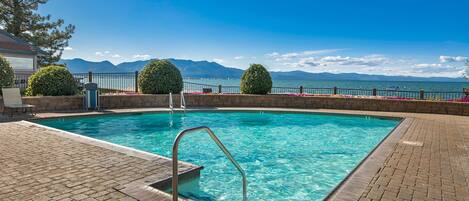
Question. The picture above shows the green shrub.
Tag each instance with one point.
(52, 81)
(160, 77)
(6, 74)
(256, 80)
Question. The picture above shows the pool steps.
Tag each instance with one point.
(220, 145)
(183, 102)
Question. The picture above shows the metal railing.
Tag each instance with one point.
(171, 106)
(111, 82)
(21, 80)
(190, 87)
(127, 82)
(220, 145)
(183, 102)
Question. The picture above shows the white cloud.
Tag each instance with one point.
(308, 62)
(68, 48)
(292, 55)
(369, 60)
(141, 56)
(218, 60)
(244, 57)
(103, 53)
(446, 59)
(116, 56)
(427, 65)
(436, 69)
(370, 64)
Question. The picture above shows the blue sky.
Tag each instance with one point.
(423, 38)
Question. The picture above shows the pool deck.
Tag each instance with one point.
(425, 158)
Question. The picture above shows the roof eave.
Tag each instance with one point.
(18, 52)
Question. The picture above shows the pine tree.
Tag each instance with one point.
(20, 18)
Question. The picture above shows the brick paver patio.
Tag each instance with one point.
(38, 164)
(430, 162)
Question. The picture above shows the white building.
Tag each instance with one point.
(21, 55)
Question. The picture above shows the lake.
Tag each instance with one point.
(403, 85)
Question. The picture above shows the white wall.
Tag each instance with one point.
(21, 63)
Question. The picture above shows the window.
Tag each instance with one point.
(20, 63)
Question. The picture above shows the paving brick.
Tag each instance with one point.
(37, 164)
(433, 171)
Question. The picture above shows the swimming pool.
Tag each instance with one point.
(286, 156)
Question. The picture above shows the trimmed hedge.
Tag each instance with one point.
(6, 74)
(256, 80)
(52, 81)
(160, 77)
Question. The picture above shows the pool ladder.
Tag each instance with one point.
(183, 102)
(220, 145)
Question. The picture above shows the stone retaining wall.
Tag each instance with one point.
(52, 103)
(284, 101)
(62, 103)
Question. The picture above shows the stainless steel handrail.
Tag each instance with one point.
(183, 102)
(220, 145)
(171, 101)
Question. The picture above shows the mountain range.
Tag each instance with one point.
(206, 69)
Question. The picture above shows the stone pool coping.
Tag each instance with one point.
(351, 188)
(140, 189)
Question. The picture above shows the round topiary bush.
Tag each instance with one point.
(160, 77)
(6, 74)
(256, 80)
(52, 81)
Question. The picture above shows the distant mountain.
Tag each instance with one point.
(301, 75)
(188, 68)
(132, 66)
(206, 69)
(83, 66)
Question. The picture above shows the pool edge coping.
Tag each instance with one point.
(355, 183)
(185, 167)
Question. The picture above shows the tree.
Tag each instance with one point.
(52, 81)
(19, 17)
(160, 77)
(6, 74)
(256, 80)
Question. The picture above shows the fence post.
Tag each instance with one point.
(422, 94)
(301, 89)
(374, 92)
(90, 76)
(136, 81)
(335, 90)
(219, 88)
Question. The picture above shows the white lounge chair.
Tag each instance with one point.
(12, 101)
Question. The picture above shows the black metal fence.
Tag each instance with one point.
(191, 87)
(21, 80)
(118, 82)
(127, 82)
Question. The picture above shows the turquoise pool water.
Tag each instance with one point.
(287, 156)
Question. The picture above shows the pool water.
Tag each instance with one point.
(286, 156)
